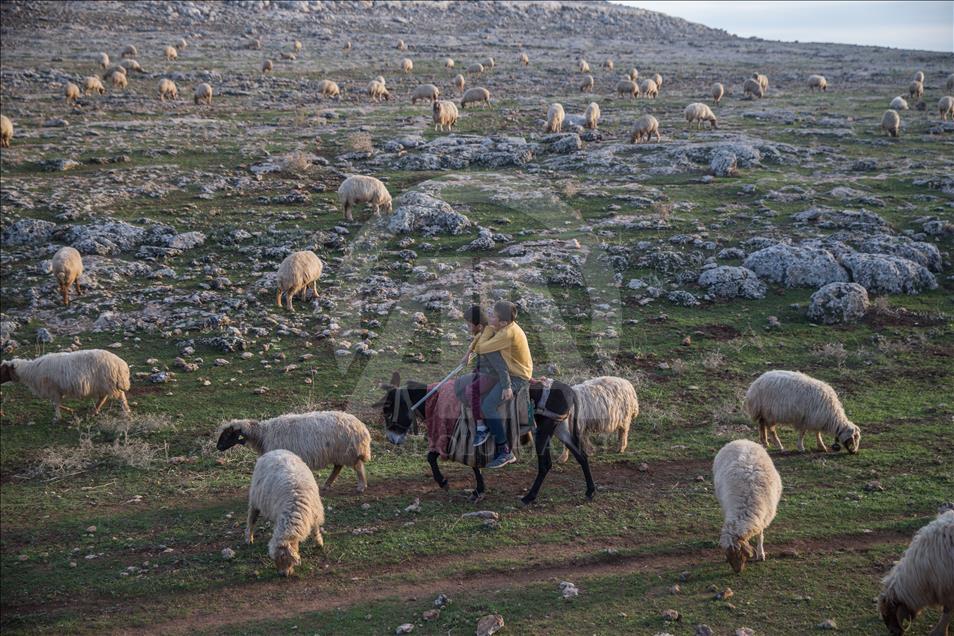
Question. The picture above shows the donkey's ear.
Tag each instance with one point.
(386, 386)
(396, 379)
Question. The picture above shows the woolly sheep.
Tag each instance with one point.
(92, 84)
(817, 82)
(347, 46)
(119, 80)
(591, 116)
(254, 43)
(645, 126)
(475, 95)
(425, 91)
(584, 66)
(380, 78)
(130, 51)
(525, 59)
(401, 46)
(587, 84)
(133, 65)
(748, 488)
(112, 70)
(460, 82)
(284, 491)
(698, 112)
(285, 55)
(72, 92)
(171, 53)
(203, 94)
(475, 69)
(103, 60)
(604, 406)
(891, 123)
(555, 116)
(752, 87)
(489, 63)
(407, 65)
(327, 88)
(717, 91)
(916, 89)
(762, 80)
(627, 87)
(608, 64)
(67, 266)
(320, 438)
(950, 82)
(168, 88)
(899, 103)
(448, 63)
(360, 189)
(296, 45)
(633, 74)
(918, 77)
(267, 66)
(945, 106)
(181, 44)
(73, 374)
(806, 404)
(658, 79)
(649, 88)
(377, 90)
(6, 131)
(445, 114)
(298, 272)
(924, 577)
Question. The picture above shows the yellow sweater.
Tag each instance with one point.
(511, 342)
(485, 335)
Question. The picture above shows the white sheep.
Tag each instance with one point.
(584, 66)
(748, 488)
(72, 374)
(267, 66)
(425, 91)
(380, 78)
(950, 82)
(168, 88)
(587, 84)
(605, 405)
(475, 69)
(445, 114)
(649, 88)
(360, 189)
(287, 55)
(489, 63)
(645, 126)
(802, 402)
(71, 92)
(633, 74)
(717, 91)
(104, 60)
(320, 438)
(460, 83)
(698, 113)
(327, 88)
(6, 131)
(298, 272)
(525, 59)
(254, 44)
(181, 44)
(945, 106)
(475, 96)
(92, 84)
(608, 64)
(899, 103)
(296, 45)
(130, 51)
(133, 65)
(817, 82)
(658, 79)
(891, 123)
(752, 87)
(119, 80)
(449, 63)
(916, 89)
(762, 80)
(924, 577)
(377, 90)
(407, 65)
(555, 116)
(347, 46)
(203, 94)
(67, 266)
(627, 87)
(919, 77)
(171, 53)
(591, 116)
(401, 46)
(284, 491)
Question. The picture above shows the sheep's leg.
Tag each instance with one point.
(763, 435)
(775, 435)
(57, 416)
(435, 470)
(820, 442)
(318, 538)
(347, 211)
(941, 628)
(478, 493)
(314, 288)
(79, 292)
(801, 441)
(100, 404)
(760, 550)
(623, 435)
(65, 291)
(250, 525)
(124, 402)
(278, 297)
(332, 477)
(288, 299)
(362, 478)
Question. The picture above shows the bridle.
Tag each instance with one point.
(541, 407)
(403, 398)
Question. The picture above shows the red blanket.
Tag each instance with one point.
(443, 410)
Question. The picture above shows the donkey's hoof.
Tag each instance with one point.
(590, 494)
(476, 497)
(444, 485)
(527, 500)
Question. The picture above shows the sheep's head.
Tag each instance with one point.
(232, 433)
(738, 554)
(713, 122)
(850, 438)
(8, 372)
(286, 558)
(896, 615)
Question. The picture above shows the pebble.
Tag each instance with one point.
(228, 554)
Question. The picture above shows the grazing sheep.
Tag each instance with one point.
(377, 90)
(285, 55)
(584, 66)
(916, 89)
(633, 75)
(93, 85)
(817, 82)
(645, 126)
(649, 88)
(284, 491)
(924, 577)
(475, 96)
(804, 403)
(445, 114)
(698, 112)
(627, 87)
(360, 189)
(119, 80)
(73, 374)
(171, 53)
(489, 63)
(950, 82)
(407, 65)
(132, 65)
(587, 84)
(448, 63)
(130, 51)
(267, 66)
(181, 44)
(67, 266)
(112, 70)
(103, 61)
(475, 69)
(6, 131)
(401, 46)
(72, 92)
(762, 80)
(919, 77)
(203, 93)
(752, 87)
(425, 91)
(327, 88)
(945, 106)
(658, 79)
(168, 88)
(591, 116)
(899, 103)
(320, 438)
(460, 82)
(608, 64)
(604, 406)
(298, 272)
(254, 43)
(748, 488)
(717, 91)
(525, 60)
(555, 115)
(380, 78)
(891, 123)
(296, 45)
(347, 46)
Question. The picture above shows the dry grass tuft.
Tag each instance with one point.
(360, 142)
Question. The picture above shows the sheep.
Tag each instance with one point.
(132, 65)
(698, 112)
(950, 82)
(945, 107)
(425, 91)
(717, 91)
(633, 75)
(919, 77)
(608, 64)
(72, 92)
(489, 63)
(320, 438)
(591, 116)
(804, 403)
(267, 66)
(202, 93)
(645, 126)
(475, 95)
(181, 44)
(916, 89)
(92, 84)
(168, 88)
(296, 45)
(891, 123)
(817, 82)
(407, 65)
(924, 577)
(298, 272)
(445, 114)
(587, 84)
(475, 69)
(748, 488)
(584, 66)
(604, 406)
(360, 189)
(460, 82)
(254, 44)
(401, 46)
(6, 131)
(377, 90)
(762, 80)
(555, 116)
(649, 88)
(72, 374)
(103, 60)
(112, 70)
(284, 491)
(67, 266)
(752, 87)
(380, 78)
(899, 103)
(327, 88)
(285, 55)
(130, 51)
(448, 63)
(627, 87)
(347, 46)
(119, 80)
(171, 53)
(525, 60)
(658, 79)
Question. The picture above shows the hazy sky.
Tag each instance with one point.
(908, 24)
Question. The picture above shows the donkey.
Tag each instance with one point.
(552, 404)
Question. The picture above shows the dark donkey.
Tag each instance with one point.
(552, 414)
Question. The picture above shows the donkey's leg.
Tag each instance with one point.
(436, 471)
(542, 445)
(478, 493)
(563, 432)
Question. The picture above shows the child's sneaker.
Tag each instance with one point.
(481, 436)
(504, 456)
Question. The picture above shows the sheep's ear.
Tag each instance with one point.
(396, 379)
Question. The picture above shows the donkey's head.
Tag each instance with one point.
(396, 409)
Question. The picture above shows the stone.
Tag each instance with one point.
(671, 615)
(703, 630)
(43, 336)
(920, 252)
(405, 628)
(564, 143)
(568, 590)
(883, 274)
(724, 164)
(228, 554)
(793, 266)
(441, 601)
(27, 232)
(838, 303)
(431, 614)
(421, 213)
(828, 623)
(682, 298)
(732, 282)
(490, 624)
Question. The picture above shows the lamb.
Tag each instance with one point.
(591, 116)
(92, 84)
(489, 63)
(72, 374)
(298, 272)
(525, 60)
(950, 82)
(168, 88)
(327, 88)
(945, 107)
(103, 61)
(360, 189)
(806, 404)
(401, 46)
(460, 82)
(475, 95)
(67, 266)
(748, 488)
(425, 91)
(72, 92)
(284, 491)
(587, 84)
(649, 88)
(717, 91)
(919, 77)
(445, 114)
(603, 406)
(752, 87)
(555, 116)
(627, 87)
(448, 63)
(658, 79)
(475, 69)
(698, 112)
(817, 82)
(898, 103)
(633, 74)
(584, 66)
(891, 123)
(924, 577)
(171, 53)
(377, 90)
(762, 80)
(181, 44)
(645, 126)
(916, 89)
(130, 51)
(267, 66)
(407, 65)
(203, 94)
(6, 131)
(320, 438)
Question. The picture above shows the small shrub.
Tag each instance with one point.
(713, 360)
(296, 164)
(833, 351)
(360, 142)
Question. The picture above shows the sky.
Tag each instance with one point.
(906, 24)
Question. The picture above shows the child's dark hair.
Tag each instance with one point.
(476, 316)
(505, 311)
